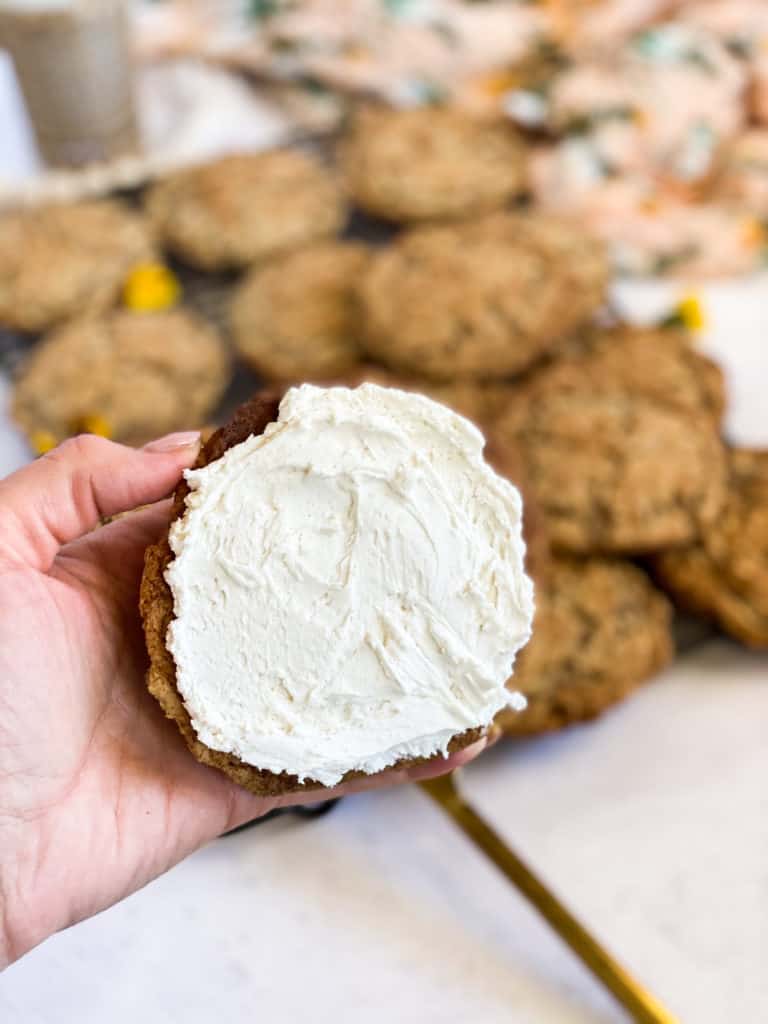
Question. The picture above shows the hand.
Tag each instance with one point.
(98, 793)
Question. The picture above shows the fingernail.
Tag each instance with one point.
(172, 442)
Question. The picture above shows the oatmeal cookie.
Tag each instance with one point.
(615, 472)
(430, 163)
(483, 300)
(156, 605)
(245, 207)
(295, 318)
(724, 575)
(601, 629)
(659, 363)
(139, 375)
(60, 261)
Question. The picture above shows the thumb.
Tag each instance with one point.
(65, 493)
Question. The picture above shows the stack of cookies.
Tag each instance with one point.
(411, 259)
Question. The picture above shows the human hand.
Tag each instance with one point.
(98, 793)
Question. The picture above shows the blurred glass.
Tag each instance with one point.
(73, 62)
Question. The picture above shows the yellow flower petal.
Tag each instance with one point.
(42, 441)
(151, 287)
(691, 313)
(92, 423)
(497, 83)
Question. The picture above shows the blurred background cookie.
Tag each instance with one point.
(480, 300)
(431, 163)
(724, 575)
(59, 261)
(601, 629)
(129, 376)
(245, 207)
(615, 472)
(296, 317)
(659, 363)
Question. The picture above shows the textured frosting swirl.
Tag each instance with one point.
(348, 586)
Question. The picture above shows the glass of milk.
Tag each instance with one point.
(73, 62)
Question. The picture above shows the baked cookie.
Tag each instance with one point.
(480, 300)
(60, 261)
(139, 375)
(295, 318)
(658, 363)
(615, 472)
(245, 207)
(601, 628)
(307, 546)
(430, 163)
(724, 575)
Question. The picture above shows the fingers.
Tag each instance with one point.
(117, 548)
(64, 494)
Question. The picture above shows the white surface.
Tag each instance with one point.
(652, 822)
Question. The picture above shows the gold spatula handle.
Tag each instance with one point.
(643, 1007)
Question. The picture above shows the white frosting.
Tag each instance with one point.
(348, 586)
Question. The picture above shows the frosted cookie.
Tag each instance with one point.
(479, 401)
(295, 318)
(724, 575)
(484, 299)
(135, 375)
(615, 472)
(601, 629)
(57, 262)
(431, 163)
(371, 567)
(245, 207)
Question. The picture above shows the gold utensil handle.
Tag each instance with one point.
(643, 1007)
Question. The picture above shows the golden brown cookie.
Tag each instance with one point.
(156, 605)
(431, 163)
(295, 317)
(482, 300)
(724, 575)
(601, 629)
(579, 259)
(60, 261)
(616, 473)
(246, 207)
(658, 363)
(139, 374)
